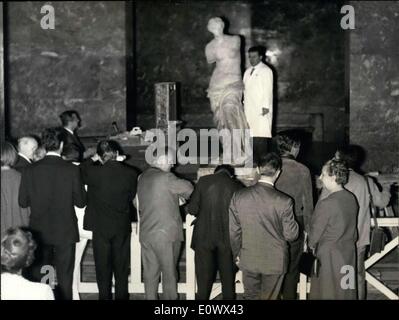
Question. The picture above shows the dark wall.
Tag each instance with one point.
(170, 46)
(2, 109)
(79, 65)
(307, 48)
(305, 38)
(374, 83)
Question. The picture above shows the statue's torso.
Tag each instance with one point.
(228, 62)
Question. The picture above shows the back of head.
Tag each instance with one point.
(52, 139)
(287, 142)
(165, 158)
(107, 150)
(351, 155)
(339, 169)
(269, 164)
(17, 250)
(27, 145)
(225, 168)
(8, 154)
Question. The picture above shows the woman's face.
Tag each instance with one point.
(328, 181)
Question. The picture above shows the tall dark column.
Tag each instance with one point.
(2, 106)
(131, 112)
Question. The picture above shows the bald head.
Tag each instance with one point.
(165, 161)
(27, 146)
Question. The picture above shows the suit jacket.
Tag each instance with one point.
(111, 189)
(158, 195)
(210, 204)
(295, 181)
(21, 164)
(52, 187)
(261, 222)
(72, 141)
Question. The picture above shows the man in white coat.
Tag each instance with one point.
(258, 100)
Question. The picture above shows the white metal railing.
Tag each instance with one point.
(135, 284)
(189, 286)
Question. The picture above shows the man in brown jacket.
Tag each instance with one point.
(161, 229)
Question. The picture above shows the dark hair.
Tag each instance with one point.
(269, 164)
(107, 150)
(225, 168)
(350, 154)
(51, 138)
(17, 250)
(339, 169)
(8, 154)
(285, 142)
(67, 116)
(259, 49)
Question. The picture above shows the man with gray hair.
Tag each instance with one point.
(161, 229)
(27, 146)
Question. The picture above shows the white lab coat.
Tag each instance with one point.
(258, 94)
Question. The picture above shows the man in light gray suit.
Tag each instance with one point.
(261, 222)
(161, 227)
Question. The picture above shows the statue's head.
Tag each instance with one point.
(216, 25)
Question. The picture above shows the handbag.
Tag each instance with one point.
(308, 262)
(378, 236)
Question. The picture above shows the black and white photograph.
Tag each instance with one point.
(216, 151)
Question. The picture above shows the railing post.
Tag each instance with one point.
(190, 266)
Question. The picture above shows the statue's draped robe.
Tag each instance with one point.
(226, 87)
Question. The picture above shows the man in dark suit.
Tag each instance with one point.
(26, 150)
(161, 229)
(295, 181)
(111, 187)
(261, 222)
(51, 188)
(211, 241)
(71, 121)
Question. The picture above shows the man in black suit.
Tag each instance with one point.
(111, 187)
(51, 188)
(26, 149)
(211, 241)
(71, 121)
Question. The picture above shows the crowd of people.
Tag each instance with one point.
(260, 228)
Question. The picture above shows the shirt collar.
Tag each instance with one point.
(69, 130)
(267, 182)
(254, 67)
(52, 153)
(25, 157)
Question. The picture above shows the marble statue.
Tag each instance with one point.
(226, 87)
